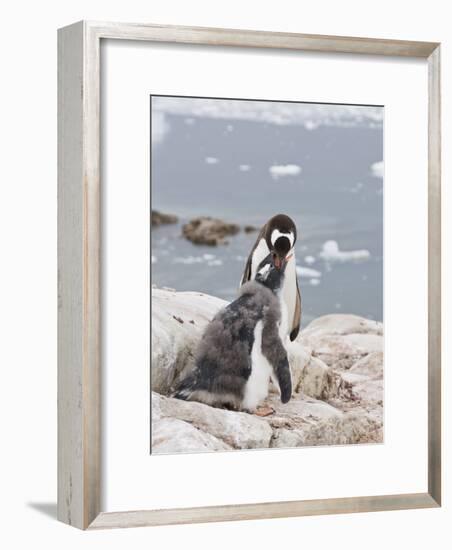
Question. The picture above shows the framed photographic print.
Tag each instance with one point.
(249, 275)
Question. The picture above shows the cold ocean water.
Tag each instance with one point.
(327, 177)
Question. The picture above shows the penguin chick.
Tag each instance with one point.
(242, 348)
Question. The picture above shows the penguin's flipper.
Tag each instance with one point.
(247, 273)
(296, 316)
(284, 379)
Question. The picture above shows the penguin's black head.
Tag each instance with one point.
(280, 235)
(269, 275)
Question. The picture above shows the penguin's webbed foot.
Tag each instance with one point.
(264, 410)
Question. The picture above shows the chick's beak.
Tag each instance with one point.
(278, 262)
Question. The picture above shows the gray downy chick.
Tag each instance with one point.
(242, 348)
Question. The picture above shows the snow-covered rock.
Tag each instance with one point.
(337, 374)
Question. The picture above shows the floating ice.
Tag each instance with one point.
(377, 169)
(210, 259)
(282, 170)
(331, 253)
(244, 167)
(188, 260)
(211, 160)
(314, 282)
(308, 272)
(309, 260)
(213, 263)
(311, 125)
(309, 115)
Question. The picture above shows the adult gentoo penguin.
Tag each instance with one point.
(242, 347)
(277, 238)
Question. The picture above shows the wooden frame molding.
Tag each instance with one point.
(79, 360)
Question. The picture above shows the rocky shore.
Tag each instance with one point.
(337, 372)
(209, 231)
(159, 218)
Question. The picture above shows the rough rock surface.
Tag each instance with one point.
(178, 321)
(158, 218)
(337, 373)
(209, 231)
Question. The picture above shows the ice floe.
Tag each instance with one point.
(309, 260)
(188, 260)
(377, 169)
(211, 160)
(282, 170)
(308, 272)
(311, 125)
(331, 253)
(309, 115)
(210, 259)
(244, 168)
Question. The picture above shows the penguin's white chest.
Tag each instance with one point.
(256, 387)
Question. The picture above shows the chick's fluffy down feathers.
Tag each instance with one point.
(223, 358)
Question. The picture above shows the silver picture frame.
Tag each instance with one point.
(79, 291)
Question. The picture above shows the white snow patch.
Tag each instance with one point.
(308, 272)
(211, 160)
(282, 170)
(377, 169)
(331, 253)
